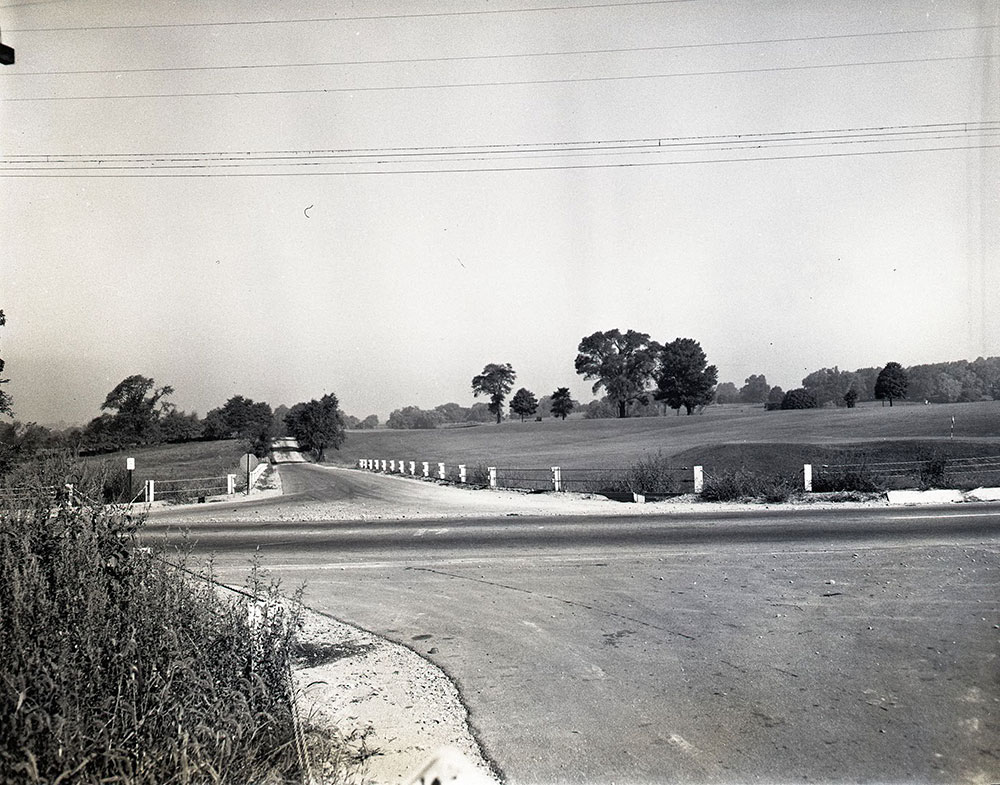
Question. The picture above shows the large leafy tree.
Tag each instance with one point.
(685, 378)
(524, 403)
(243, 418)
(6, 403)
(622, 363)
(137, 404)
(755, 389)
(562, 402)
(891, 383)
(317, 425)
(496, 381)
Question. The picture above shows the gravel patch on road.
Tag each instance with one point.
(407, 708)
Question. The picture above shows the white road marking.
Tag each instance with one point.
(942, 515)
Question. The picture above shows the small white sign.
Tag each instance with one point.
(130, 464)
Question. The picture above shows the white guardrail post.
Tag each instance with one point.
(150, 491)
(413, 468)
(441, 471)
(556, 478)
(230, 484)
(699, 479)
(807, 477)
(392, 465)
(427, 468)
(461, 472)
(493, 477)
(401, 465)
(385, 464)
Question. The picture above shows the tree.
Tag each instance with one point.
(495, 381)
(243, 418)
(774, 398)
(413, 417)
(727, 393)
(524, 403)
(6, 402)
(623, 364)
(891, 383)
(317, 425)
(685, 379)
(851, 398)
(137, 405)
(562, 402)
(799, 398)
(452, 412)
(176, 427)
(754, 390)
(479, 412)
(369, 423)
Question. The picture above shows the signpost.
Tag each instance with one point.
(130, 468)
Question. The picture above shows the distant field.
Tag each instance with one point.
(727, 435)
(179, 461)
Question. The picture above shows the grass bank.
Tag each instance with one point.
(770, 437)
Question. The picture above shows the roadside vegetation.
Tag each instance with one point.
(116, 666)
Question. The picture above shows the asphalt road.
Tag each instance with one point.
(780, 646)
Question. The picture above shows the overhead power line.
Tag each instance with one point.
(505, 56)
(472, 170)
(510, 83)
(546, 156)
(317, 20)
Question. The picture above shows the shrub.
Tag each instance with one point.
(652, 474)
(857, 476)
(932, 472)
(743, 484)
(799, 398)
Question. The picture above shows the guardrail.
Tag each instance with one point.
(553, 478)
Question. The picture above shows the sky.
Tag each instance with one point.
(376, 199)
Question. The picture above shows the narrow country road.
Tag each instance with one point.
(805, 645)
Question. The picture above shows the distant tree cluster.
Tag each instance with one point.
(632, 368)
(367, 424)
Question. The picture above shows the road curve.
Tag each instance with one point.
(844, 645)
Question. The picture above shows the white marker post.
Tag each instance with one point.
(130, 468)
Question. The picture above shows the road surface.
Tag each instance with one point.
(833, 646)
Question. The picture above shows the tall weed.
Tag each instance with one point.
(743, 484)
(117, 667)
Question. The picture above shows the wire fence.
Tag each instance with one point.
(191, 488)
(940, 472)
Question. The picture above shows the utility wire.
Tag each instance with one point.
(883, 131)
(505, 56)
(662, 146)
(512, 83)
(317, 20)
(475, 170)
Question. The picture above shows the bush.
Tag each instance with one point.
(858, 476)
(118, 667)
(932, 472)
(743, 484)
(799, 399)
(652, 474)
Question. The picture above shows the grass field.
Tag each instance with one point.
(179, 461)
(725, 436)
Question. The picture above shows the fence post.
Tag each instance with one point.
(392, 465)
(699, 479)
(150, 491)
(461, 472)
(493, 476)
(230, 484)
(441, 471)
(557, 478)
(69, 493)
(401, 466)
(427, 469)
(413, 468)
(385, 464)
(807, 477)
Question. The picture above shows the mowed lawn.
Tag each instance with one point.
(728, 434)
